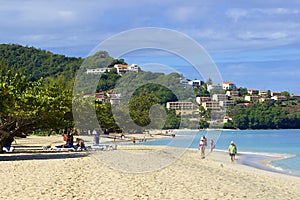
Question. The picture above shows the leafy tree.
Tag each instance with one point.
(172, 120)
(139, 108)
(202, 91)
(105, 117)
(203, 124)
(260, 116)
(243, 91)
(209, 81)
(27, 106)
(286, 94)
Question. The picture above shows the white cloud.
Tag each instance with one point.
(268, 35)
(277, 11)
(236, 13)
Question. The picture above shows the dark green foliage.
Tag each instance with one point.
(202, 91)
(262, 116)
(108, 80)
(162, 93)
(27, 106)
(203, 124)
(172, 120)
(36, 63)
(243, 91)
(139, 108)
(105, 117)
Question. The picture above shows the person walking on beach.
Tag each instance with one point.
(201, 147)
(232, 150)
(212, 145)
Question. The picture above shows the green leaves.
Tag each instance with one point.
(260, 116)
(31, 105)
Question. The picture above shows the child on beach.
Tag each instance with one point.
(232, 150)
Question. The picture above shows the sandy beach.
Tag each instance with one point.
(82, 175)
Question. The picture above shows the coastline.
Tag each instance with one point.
(79, 175)
(258, 160)
(262, 161)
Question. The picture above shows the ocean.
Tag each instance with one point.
(253, 145)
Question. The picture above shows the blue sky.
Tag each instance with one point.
(254, 43)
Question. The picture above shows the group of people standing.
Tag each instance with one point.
(202, 146)
(232, 149)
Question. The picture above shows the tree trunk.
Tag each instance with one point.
(6, 139)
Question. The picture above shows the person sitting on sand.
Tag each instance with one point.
(232, 150)
(80, 144)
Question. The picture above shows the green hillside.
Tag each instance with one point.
(37, 63)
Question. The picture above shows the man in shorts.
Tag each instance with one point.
(232, 150)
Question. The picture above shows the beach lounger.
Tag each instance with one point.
(8, 149)
(104, 147)
(59, 148)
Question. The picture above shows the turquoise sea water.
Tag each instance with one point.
(253, 145)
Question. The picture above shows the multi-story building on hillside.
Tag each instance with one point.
(219, 97)
(183, 107)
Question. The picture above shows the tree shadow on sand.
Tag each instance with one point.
(40, 156)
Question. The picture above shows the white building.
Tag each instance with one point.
(219, 97)
(195, 83)
(226, 103)
(252, 98)
(233, 93)
(126, 68)
(279, 98)
(253, 91)
(228, 86)
(211, 105)
(97, 70)
(200, 100)
(183, 107)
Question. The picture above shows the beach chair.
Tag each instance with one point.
(61, 148)
(104, 147)
(8, 149)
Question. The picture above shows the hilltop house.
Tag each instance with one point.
(120, 69)
(228, 86)
(191, 84)
(126, 68)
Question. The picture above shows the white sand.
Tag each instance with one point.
(82, 176)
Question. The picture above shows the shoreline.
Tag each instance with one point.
(258, 160)
(82, 175)
(263, 161)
